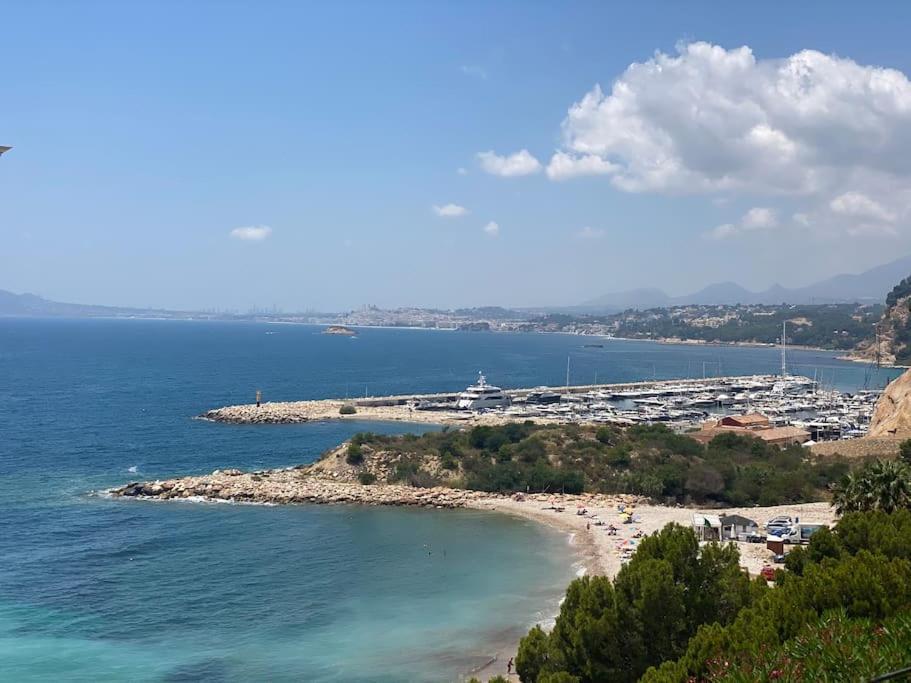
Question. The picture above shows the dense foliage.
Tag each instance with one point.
(861, 570)
(614, 630)
(899, 291)
(650, 460)
(834, 648)
(677, 612)
(835, 326)
(879, 485)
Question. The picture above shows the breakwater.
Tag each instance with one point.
(404, 408)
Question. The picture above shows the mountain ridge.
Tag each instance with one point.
(869, 286)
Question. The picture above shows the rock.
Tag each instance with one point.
(892, 415)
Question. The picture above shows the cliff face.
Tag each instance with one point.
(892, 416)
(892, 345)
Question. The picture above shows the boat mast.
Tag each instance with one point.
(784, 356)
(567, 371)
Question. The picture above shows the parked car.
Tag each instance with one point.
(778, 559)
(779, 522)
(754, 537)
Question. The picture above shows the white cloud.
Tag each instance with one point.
(563, 166)
(860, 205)
(720, 232)
(253, 233)
(462, 171)
(492, 229)
(590, 233)
(816, 128)
(710, 119)
(449, 210)
(757, 218)
(518, 164)
(474, 70)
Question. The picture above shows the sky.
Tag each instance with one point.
(323, 156)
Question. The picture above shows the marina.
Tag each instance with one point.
(683, 405)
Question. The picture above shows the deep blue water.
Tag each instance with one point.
(98, 589)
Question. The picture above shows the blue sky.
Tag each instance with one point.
(232, 154)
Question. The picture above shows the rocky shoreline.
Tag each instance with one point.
(293, 486)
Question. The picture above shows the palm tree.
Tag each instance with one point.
(879, 485)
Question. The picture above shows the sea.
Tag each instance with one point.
(98, 589)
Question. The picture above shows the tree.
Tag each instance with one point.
(904, 451)
(614, 630)
(880, 485)
(533, 654)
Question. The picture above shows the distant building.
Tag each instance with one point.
(751, 424)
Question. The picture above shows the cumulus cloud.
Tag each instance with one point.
(815, 128)
(449, 210)
(757, 218)
(590, 233)
(860, 205)
(518, 164)
(563, 166)
(710, 119)
(492, 229)
(252, 233)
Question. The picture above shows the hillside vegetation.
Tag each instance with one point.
(890, 341)
(645, 460)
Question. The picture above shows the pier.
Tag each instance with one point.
(681, 404)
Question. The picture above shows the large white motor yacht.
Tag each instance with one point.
(482, 395)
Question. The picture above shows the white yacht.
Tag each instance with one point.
(482, 395)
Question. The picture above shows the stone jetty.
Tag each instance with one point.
(294, 485)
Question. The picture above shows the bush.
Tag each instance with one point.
(347, 409)
(354, 455)
(904, 448)
(366, 478)
(861, 569)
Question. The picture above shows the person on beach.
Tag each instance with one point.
(509, 667)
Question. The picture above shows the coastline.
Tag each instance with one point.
(587, 518)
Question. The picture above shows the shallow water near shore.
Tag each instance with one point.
(99, 589)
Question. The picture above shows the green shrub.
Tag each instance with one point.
(833, 648)
(366, 478)
(347, 409)
(354, 454)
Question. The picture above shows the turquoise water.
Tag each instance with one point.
(98, 589)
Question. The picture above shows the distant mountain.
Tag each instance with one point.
(30, 304)
(632, 298)
(870, 286)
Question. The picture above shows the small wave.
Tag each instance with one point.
(133, 470)
(580, 569)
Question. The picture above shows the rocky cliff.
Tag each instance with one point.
(892, 343)
(892, 416)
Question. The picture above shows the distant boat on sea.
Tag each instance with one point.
(593, 346)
